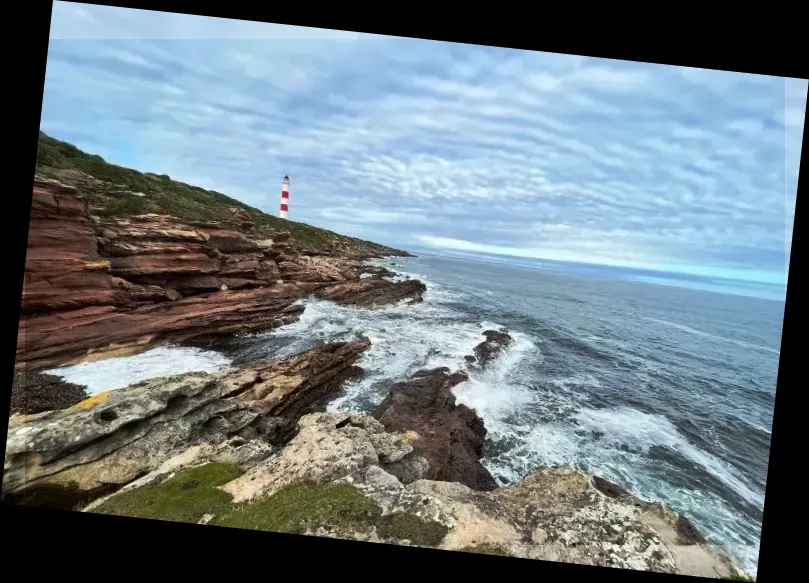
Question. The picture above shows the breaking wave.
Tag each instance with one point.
(117, 373)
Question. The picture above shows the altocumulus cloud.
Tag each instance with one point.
(429, 144)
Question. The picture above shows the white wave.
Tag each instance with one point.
(119, 372)
(403, 339)
(640, 431)
(625, 437)
(529, 423)
(694, 331)
(496, 392)
(576, 380)
(614, 443)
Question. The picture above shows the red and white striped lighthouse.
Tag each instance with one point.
(284, 197)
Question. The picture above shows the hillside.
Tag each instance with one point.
(115, 191)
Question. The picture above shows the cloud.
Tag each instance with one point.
(414, 142)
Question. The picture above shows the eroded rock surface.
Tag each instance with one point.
(450, 436)
(328, 446)
(115, 437)
(258, 420)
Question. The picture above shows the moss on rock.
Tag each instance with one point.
(340, 509)
(403, 526)
(305, 507)
(186, 497)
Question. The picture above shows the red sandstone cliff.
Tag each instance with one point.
(98, 287)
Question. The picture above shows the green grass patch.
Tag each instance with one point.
(738, 577)
(295, 509)
(486, 550)
(401, 526)
(186, 497)
(339, 508)
(162, 195)
(301, 507)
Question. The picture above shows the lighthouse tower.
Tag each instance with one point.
(284, 197)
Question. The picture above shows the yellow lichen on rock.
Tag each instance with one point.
(94, 400)
(19, 419)
(409, 437)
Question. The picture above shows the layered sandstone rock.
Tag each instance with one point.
(373, 292)
(98, 287)
(57, 338)
(63, 268)
(113, 438)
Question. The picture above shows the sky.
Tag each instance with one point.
(433, 145)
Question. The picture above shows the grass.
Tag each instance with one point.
(739, 578)
(305, 507)
(339, 508)
(403, 526)
(186, 497)
(295, 509)
(60, 160)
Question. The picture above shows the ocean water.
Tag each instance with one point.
(666, 390)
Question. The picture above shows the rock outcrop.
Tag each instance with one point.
(113, 438)
(264, 435)
(67, 337)
(342, 463)
(328, 446)
(97, 287)
(488, 350)
(449, 436)
(372, 292)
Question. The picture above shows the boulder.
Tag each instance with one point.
(373, 292)
(449, 436)
(488, 350)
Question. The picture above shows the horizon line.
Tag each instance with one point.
(683, 275)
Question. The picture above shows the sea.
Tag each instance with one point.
(665, 386)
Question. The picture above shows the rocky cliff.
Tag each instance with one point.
(120, 260)
(101, 286)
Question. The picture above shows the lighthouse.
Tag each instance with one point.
(284, 197)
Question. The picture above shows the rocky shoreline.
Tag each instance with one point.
(240, 444)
